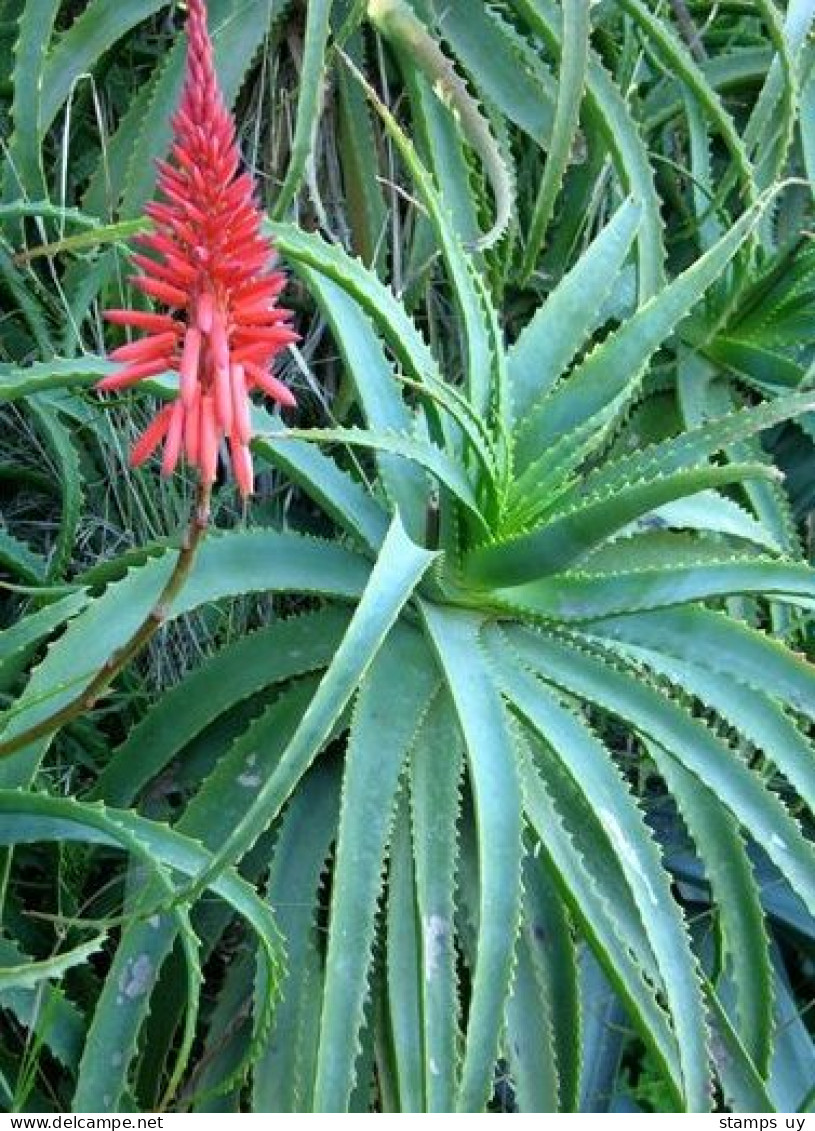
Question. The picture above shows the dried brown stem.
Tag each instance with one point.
(689, 30)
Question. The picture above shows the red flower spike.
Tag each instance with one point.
(206, 260)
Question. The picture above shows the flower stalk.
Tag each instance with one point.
(86, 700)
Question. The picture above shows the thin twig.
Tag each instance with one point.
(689, 30)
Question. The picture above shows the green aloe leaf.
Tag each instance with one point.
(724, 72)
(27, 818)
(554, 954)
(18, 559)
(530, 1033)
(491, 759)
(18, 640)
(404, 972)
(318, 23)
(395, 575)
(46, 1012)
(484, 359)
(756, 808)
(562, 324)
(341, 496)
(375, 298)
(742, 1084)
(590, 764)
(682, 64)
(738, 909)
(394, 694)
(29, 975)
(422, 452)
(396, 20)
(731, 648)
(578, 858)
(208, 818)
(78, 50)
(709, 511)
(575, 597)
(748, 709)
(443, 148)
(378, 392)
(285, 650)
(57, 437)
(436, 765)
(613, 371)
(283, 1078)
(367, 215)
(568, 536)
(226, 565)
(505, 66)
(692, 446)
(59, 373)
(573, 66)
(23, 172)
(606, 106)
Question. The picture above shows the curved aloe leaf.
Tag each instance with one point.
(731, 648)
(607, 106)
(208, 819)
(567, 537)
(318, 22)
(435, 460)
(555, 956)
(491, 758)
(573, 65)
(575, 598)
(435, 780)
(225, 566)
(563, 323)
(283, 1078)
(593, 894)
(404, 973)
(398, 570)
(530, 1036)
(378, 392)
(29, 975)
(689, 741)
(738, 908)
(590, 764)
(30, 817)
(280, 652)
(394, 694)
(614, 369)
(341, 496)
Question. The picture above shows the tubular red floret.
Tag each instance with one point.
(173, 296)
(172, 445)
(270, 385)
(242, 422)
(208, 457)
(141, 320)
(152, 436)
(160, 345)
(192, 428)
(132, 374)
(242, 466)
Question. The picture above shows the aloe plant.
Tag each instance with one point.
(514, 589)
